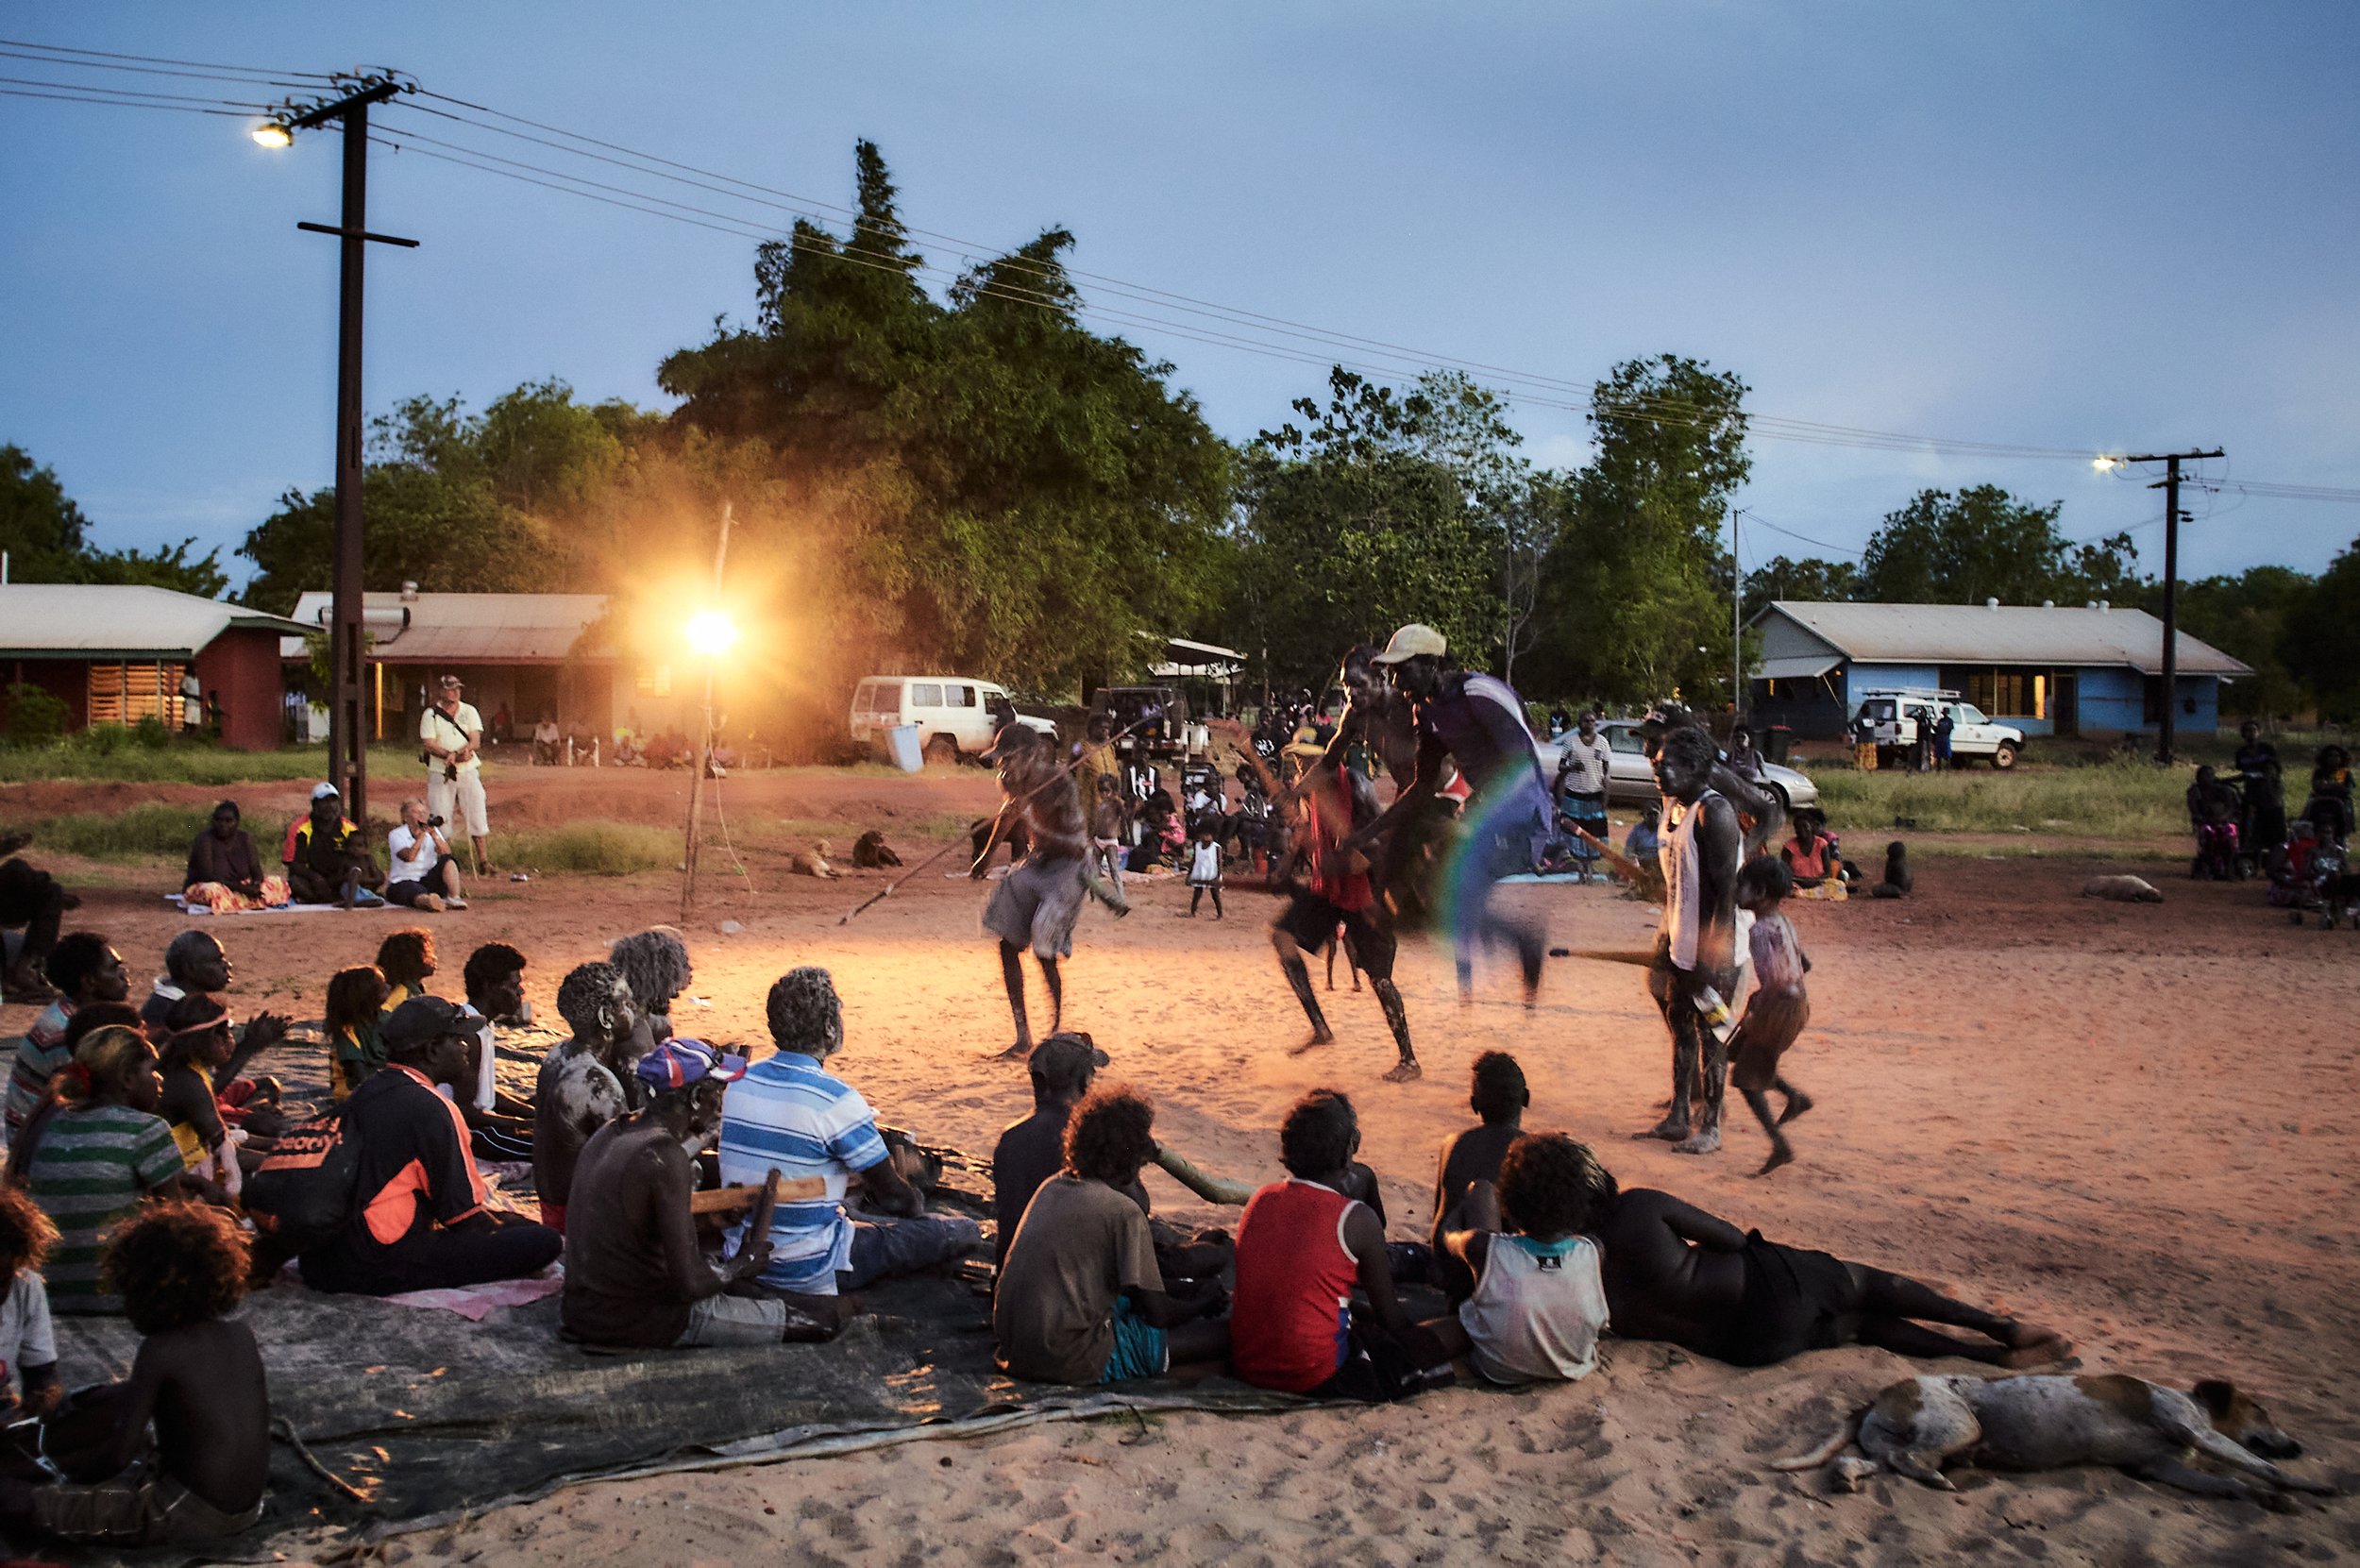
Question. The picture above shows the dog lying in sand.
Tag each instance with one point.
(2121, 890)
(871, 852)
(2048, 1423)
(812, 862)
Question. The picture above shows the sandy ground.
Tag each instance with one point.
(2134, 1122)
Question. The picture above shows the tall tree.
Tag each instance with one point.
(47, 538)
(1811, 579)
(978, 481)
(1377, 510)
(2248, 616)
(1983, 543)
(1638, 581)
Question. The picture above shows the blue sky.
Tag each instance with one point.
(2089, 226)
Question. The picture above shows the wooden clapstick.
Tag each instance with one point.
(727, 1200)
(1641, 957)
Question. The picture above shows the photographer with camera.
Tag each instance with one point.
(421, 874)
(451, 739)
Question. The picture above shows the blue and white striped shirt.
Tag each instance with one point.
(789, 1115)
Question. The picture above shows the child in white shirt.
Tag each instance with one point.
(1204, 872)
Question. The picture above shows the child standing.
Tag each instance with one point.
(1204, 872)
(1778, 1011)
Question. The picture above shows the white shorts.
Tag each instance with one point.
(460, 804)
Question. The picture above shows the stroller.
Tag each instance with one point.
(2312, 873)
(2215, 806)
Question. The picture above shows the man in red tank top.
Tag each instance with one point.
(1302, 1247)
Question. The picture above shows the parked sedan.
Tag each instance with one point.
(1630, 779)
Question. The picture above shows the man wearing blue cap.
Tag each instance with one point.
(634, 1274)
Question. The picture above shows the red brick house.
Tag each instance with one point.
(118, 654)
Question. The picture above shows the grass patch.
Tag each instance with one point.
(593, 848)
(77, 757)
(2125, 799)
(151, 832)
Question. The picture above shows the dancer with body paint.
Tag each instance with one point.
(1477, 723)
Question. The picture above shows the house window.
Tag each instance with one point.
(654, 680)
(125, 694)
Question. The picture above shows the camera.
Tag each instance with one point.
(434, 822)
(450, 773)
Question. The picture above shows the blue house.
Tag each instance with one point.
(2045, 669)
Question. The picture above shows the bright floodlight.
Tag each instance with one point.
(2105, 465)
(712, 633)
(270, 133)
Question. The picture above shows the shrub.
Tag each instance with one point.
(35, 717)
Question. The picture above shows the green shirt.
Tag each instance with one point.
(93, 1166)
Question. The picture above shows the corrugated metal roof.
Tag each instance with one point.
(2005, 634)
(65, 620)
(1803, 666)
(463, 628)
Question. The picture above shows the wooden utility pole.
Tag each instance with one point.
(703, 758)
(2166, 728)
(347, 730)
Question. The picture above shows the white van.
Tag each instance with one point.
(1888, 715)
(952, 712)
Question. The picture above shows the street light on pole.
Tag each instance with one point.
(348, 738)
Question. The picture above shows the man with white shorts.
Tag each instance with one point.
(451, 735)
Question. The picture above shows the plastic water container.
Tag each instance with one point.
(901, 746)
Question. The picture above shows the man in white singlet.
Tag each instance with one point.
(1695, 951)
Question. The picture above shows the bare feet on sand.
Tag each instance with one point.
(2031, 1345)
(1705, 1141)
(1405, 1070)
(1797, 1103)
(1021, 1051)
(1782, 1153)
(1667, 1129)
(1319, 1037)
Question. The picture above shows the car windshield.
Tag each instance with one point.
(1625, 739)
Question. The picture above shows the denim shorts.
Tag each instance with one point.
(1141, 1348)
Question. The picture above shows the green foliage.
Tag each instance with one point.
(35, 717)
(1810, 580)
(463, 502)
(1637, 584)
(978, 481)
(1983, 543)
(2248, 616)
(47, 540)
(41, 528)
(1372, 513)
(2320, 645)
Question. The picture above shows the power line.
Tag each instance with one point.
(123, 103)
(96, 55)
(130, 92)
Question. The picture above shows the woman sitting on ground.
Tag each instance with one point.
(1674, 1273)
(406, 959)
(356, 1004)
(223, 873)
(1813, 857)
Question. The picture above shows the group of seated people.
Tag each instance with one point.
(1533, 1244)
(700, 1199)
(325, 858)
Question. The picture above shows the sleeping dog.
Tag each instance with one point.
(2046, 1422)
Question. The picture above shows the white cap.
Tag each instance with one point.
(325, 792)
(1412, 641)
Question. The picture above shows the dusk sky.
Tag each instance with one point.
(2092, 228)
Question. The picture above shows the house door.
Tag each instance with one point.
(2065, 703)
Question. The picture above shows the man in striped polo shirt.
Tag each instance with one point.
(789, 1114)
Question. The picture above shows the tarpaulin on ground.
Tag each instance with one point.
(425, 1413)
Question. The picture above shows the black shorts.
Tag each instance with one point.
(407, 894)
(1311, 921)
(1795, 1300)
